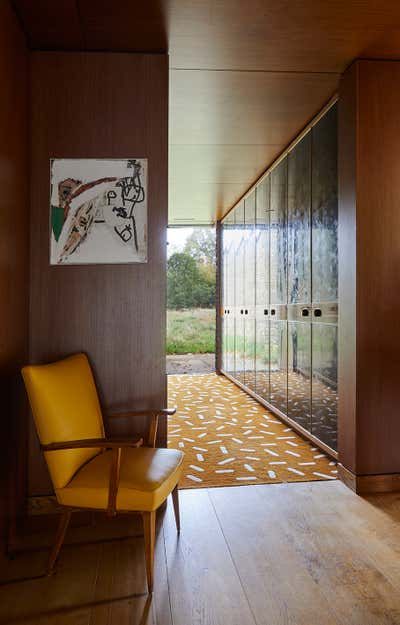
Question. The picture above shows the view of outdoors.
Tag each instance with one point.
(191, 284)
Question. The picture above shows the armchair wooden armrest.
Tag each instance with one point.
(154, 413)
(116, 445)
(104, 443)
(147, 412)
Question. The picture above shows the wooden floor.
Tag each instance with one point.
(284, 554)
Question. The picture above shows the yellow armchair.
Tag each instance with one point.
(88, 470)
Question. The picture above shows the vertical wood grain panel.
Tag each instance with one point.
(369, 149)
(347, 384)
(14, 249)
(95, 105)
(378, 267)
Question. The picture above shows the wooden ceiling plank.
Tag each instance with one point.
(124, 25)
(278, 62)
(51, 25)
(278, 35)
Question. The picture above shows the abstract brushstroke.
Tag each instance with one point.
(103, 215)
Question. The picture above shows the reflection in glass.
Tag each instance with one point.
(262, 288)
(325, 277)
(291, 214)
(299, 241)
(228, 294)
(278, 286)
(278, 234)
(299, 373)
(240, 242)
(325, 209)
(324, 383)
(249, 290)
(278, 364)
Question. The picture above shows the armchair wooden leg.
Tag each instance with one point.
(149, 527)
(61, 531)
(175, 500)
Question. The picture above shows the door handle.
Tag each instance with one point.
(317, 312)
(305, 312)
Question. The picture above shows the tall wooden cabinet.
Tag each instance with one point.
(279, 286)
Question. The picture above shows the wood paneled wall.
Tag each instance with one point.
(14, 250)
(369, 261)
(95, 105)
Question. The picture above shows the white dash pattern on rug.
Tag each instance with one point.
(230, 439)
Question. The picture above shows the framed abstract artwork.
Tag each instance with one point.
(98, 211)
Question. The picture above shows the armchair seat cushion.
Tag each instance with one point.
(147, 477)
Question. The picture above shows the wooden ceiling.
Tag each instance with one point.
(246, 76)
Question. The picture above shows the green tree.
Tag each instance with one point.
(205, 291)
(189, 284)
(182, 275)
(200, 245)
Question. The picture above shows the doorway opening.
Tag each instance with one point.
(229, 439)
(191, 300)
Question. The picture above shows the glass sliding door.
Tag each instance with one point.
(324, 278)
(249, 290)
(262, 289)
(299, 283)
(278, 287)
(240, 253)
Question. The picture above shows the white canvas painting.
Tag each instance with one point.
(98, 211)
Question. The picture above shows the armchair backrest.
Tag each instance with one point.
(65, 407)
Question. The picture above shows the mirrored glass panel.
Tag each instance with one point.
(278, 234)
(249, 290)
(278, 364)
(324, 383)
(262, 288)
(324, 278)
(299, 234)
(280, 284)
(278, 287)
(325, 209)
(240, 254)
(229, 247)
(299, 373)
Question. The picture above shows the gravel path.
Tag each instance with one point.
(191, 363)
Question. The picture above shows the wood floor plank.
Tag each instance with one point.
(313, 522)
(361, 541)
(63, 598)
(280, 589)
(121, 588)
(285, 554)
(339, 554)
(204, 586)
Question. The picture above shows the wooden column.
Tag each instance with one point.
(369, 276)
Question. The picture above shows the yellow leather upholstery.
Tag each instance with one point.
(147, 476)
(65, 407)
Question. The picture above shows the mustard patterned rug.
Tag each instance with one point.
(230, 439)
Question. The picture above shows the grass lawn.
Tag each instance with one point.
(191, 331)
